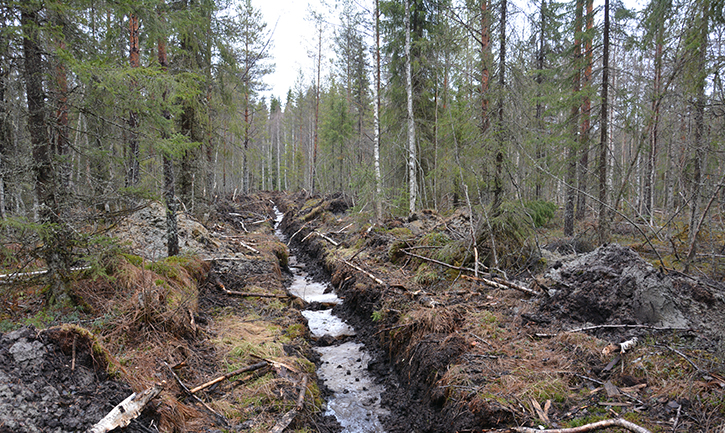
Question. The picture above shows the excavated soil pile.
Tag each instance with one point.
(43, 388)
(614, 285)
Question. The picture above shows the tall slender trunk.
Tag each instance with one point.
(412, 180)
(585, 115)
(604, 140)
(376, 119)
(572, 150)
(485, 63)
(539, 105)
(56, 248)
(132, 173)
(313, 174)
(649, 179)
(500, 130)
(172, 231)
(701, 43)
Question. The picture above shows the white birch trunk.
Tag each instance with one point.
(412, 182)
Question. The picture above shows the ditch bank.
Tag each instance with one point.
(461, 353)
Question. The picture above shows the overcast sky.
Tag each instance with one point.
(293, 38)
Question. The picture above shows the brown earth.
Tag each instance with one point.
(455, 353)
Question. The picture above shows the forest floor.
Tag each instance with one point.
(456, 351)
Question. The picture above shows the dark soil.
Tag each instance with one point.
(44, 389)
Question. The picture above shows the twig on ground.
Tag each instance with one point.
(254, 250)
(257, 295)
(246, 369)
(619, 422)
(502, 284)
(373, 277)
(295, 233)
(188, 392)
(289, 416)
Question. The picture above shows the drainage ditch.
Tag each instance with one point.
(343, 369)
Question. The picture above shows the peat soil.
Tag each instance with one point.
(456, 352)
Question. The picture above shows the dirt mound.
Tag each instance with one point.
(43, 388)
(614, 285)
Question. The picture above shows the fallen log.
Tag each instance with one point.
(127, 410)
(246, 369)
(618, 422)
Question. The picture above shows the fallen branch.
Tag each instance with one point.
(289, 416)
(619, 422)
(502, 284)
(254, 250)
(295, 233)
(15, 275)
(438, 262)
(257, 295)
(328, 239)
(590, 328)
(620, 347)
(186, 389)
(248, 368)
(126, 411)
(373, 277)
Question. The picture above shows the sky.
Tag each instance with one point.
(293, 38)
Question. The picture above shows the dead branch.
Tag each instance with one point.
(14, 275)
(289, 416)
(246, 369)
(257, 295)
(276, 364)
(186, 389)
(619, 422)
(438, 262)
(295, 233)
(328, 239)
(373, 277)
(254, 250)
(590, 328)
(301, 397)
(343, 229)
(127, 410)
(502, 284)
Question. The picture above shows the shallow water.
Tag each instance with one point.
(356, 400)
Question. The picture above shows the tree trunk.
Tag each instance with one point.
(132, 173)
(376, 119)
(540, 56)
(172, 231)
(56, 246)
(649, 179)
(412, 180)
(485, 64)
(604, 140)
(317, 111)
(572, 150)
(585, 115)
(700, 45)
(501, 136)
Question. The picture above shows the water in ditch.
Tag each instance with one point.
(343, 369)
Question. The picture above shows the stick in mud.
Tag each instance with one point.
(126, 411)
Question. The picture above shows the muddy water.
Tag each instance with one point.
(356, 399)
